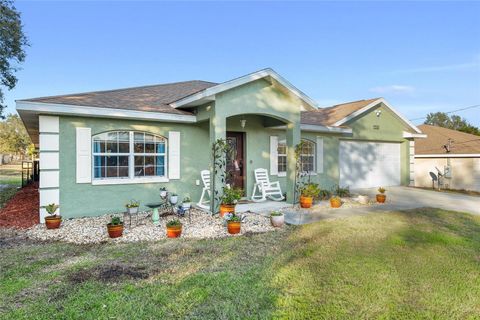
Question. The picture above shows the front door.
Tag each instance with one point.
(235, 159)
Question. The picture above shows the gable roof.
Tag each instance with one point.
(329, 116)
(153, 98)
(437, 137)
(209, 94)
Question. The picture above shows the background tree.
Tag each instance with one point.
(12, 45)
(13, 136)
(441, 119)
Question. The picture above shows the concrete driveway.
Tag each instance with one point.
(398, 198)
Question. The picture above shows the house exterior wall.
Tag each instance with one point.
(85, 199)
(465, 172)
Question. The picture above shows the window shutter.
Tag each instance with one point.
(273, 155)
(84, 155)
(319, 155)
(174, 155)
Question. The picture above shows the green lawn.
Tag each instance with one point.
(11, 175)
(419, 264)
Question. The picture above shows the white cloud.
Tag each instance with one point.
(393, 89)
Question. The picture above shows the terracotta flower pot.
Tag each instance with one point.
(381, 198)
(335, 202)
(226, 208)
(277, 221)
(233, 227)
(53, 222)
(306, 202)
(115, 231)
(174, 232)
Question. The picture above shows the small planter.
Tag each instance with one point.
(306, 202)
(173, 199)
(363, 199)
(174, 231)
(115, 230)
(132, 210)
(163, 193)
(226, 208)
(381, 198)
(234, 227)
(277, 220)
(187, 205)
(53, 222)
(335, 202)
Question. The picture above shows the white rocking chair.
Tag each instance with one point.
(202, 203)
(265, 187)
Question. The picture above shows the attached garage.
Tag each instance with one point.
(369, 164)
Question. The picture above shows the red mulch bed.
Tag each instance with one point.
(21, 211)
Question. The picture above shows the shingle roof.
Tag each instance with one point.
(154, 98)
(437, 137)
(328, 116)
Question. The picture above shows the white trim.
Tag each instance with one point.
(174, 145)
(371, 105)
(449, 155)
(319, 150)
(83, 155)
(282, 174)
(49, 142)
(414, 135)
(273, 155)
(317, 128)
(66, 109)
(49, 161)
(153, 179)
(48, 196)
(209, 93)
(48, 124)
(49, 179)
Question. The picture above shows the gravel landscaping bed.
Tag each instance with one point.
(324, 205)
(94, 230)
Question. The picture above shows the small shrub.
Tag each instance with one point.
(233, 217)
(324, 194)
(341, 192)
(133, 204)
(231, 195)
(174, 223)
(310, 190)
(187, 199)
(51, 208)
(382, 190)
(276, 214)
(115, 221)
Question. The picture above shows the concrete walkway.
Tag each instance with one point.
(398, 198)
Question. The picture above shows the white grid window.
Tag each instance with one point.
(128, 154)
(307, 156)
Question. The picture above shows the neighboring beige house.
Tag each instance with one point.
(454, 154)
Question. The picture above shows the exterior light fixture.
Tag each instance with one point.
(378, 113)
(243, 122)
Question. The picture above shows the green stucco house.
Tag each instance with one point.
(100, 149)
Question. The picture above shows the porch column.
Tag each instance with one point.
(293, 138)
(218, 130)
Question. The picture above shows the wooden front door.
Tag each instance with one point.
(236, 160)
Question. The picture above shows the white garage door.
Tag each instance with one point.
(369, 164)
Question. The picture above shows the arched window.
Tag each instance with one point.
(307, 156)
(128, 155)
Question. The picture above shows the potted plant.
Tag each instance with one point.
(132, 206)
(277, 219)
(234, 223)
(381, 197)
(307, 194)
(335, 202)
(186, 203)
(115, 227)
(174, 228)
(53, 221)
(229, 200)
(163, 192)
(173, 198)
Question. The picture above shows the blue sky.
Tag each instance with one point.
(421, 56)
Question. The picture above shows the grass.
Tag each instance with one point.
(11, 175)
(417, 264)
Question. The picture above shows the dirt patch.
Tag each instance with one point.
(12, 238)
(109, 274)
(21, 211)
